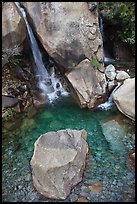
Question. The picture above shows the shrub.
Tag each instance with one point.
(95, 64)
(124, 13)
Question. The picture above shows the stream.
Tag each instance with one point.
(111, 136)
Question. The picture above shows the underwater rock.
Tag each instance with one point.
(96, 187)
(58, 162)
(28, 124)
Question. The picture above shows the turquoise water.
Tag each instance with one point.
(108, 155)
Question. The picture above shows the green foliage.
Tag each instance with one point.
(124, 13)
(73, 65)
(95, 64)
(9, 114)
(15, 61)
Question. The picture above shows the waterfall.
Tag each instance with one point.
(107, 44)
(109, 103)
(49, 84)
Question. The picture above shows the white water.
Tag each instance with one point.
(41, 73)
(109, 103)
(107, 58)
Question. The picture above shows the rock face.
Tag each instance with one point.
(9, 101)
(13, 27)
(89, 85)
(58, 162)
(69, 31)
(124, 98)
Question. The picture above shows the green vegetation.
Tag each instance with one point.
(9, 114)
(15, 61)
(124, 14)
(73, 65)
(95, 64)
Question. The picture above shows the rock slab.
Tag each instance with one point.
(124, 98)
(58, 162)
(88, 84)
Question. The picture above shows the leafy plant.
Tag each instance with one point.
(9, 114)
(73, 65)
(124, 14)
(95, 64)
(15, 61)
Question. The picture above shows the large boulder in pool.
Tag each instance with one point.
(58, 162)
(124, 98)
(88, 84)
(69, 31)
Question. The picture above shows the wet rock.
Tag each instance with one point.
(22, 88)
(58, 162)
(31, 111)
(58, 93)
(110, 72)
(57, 85)
(39, 100)
(112, 84)
(48, 82)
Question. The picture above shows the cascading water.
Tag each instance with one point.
(107, 44)
(109, 103)
(49, 84)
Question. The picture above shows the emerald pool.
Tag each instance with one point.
(111, 136)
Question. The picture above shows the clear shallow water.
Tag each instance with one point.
(107, 161)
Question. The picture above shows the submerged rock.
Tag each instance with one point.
(124, 98)
(58, 162)
(28, 123)
(96, 187)
(88, 84)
